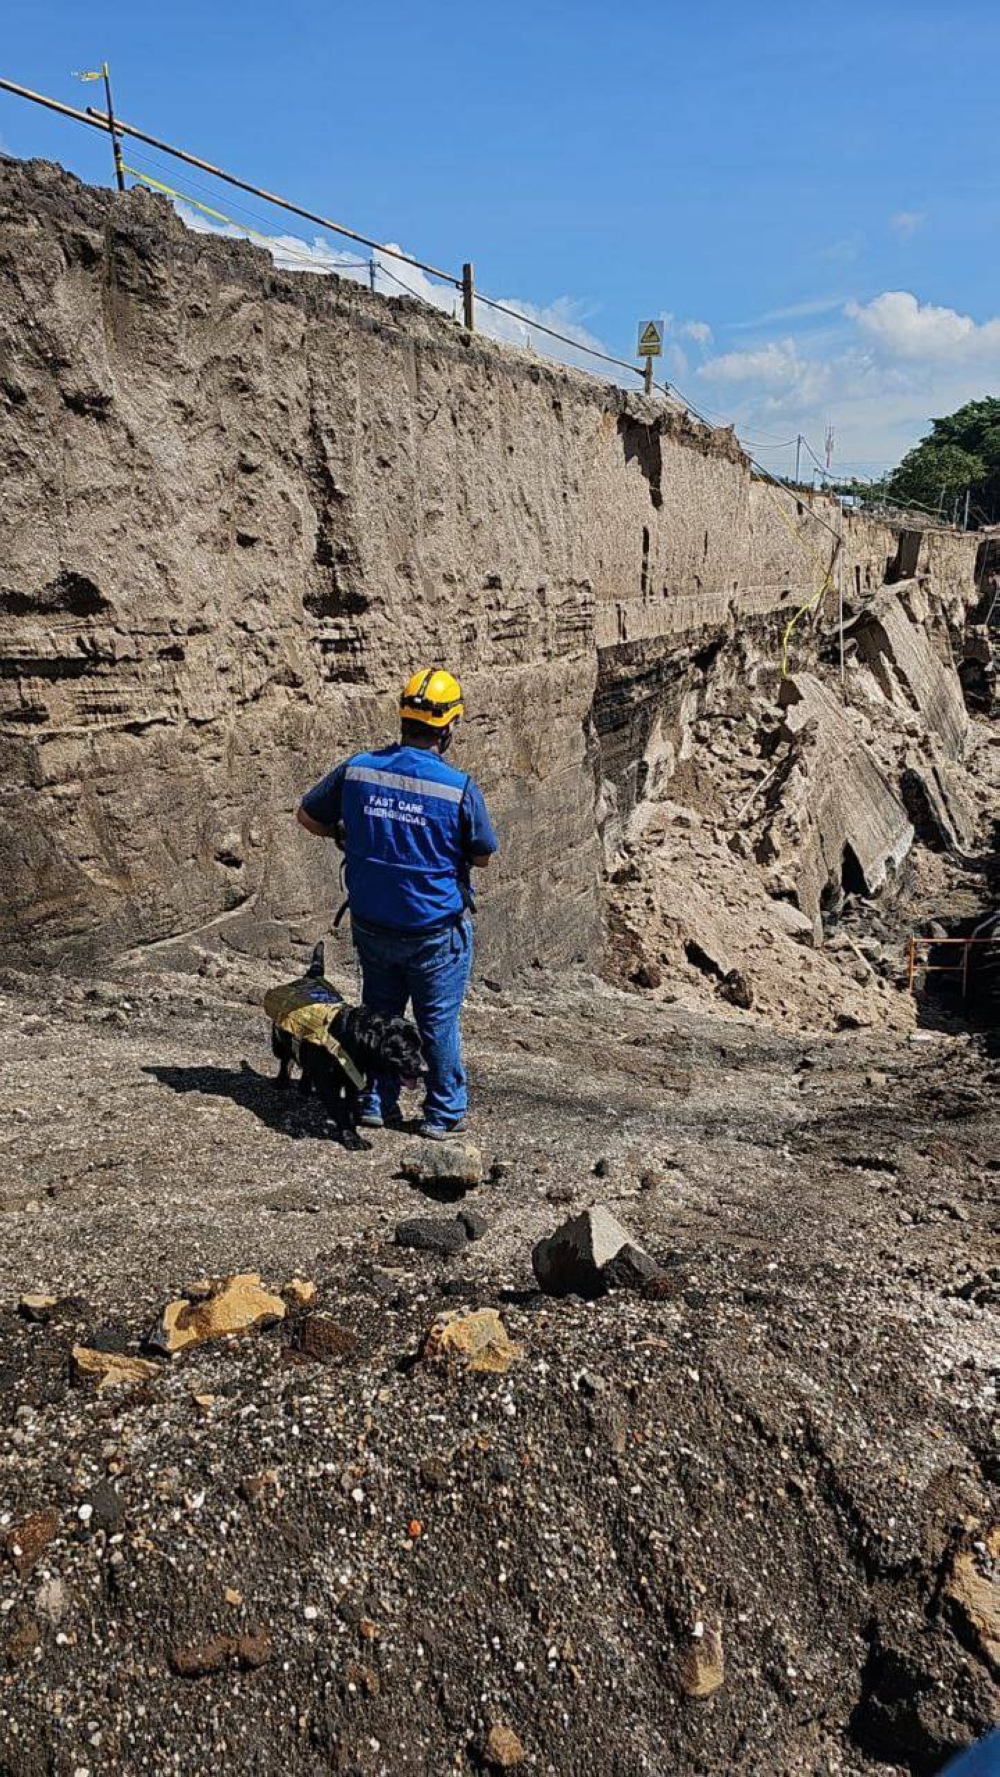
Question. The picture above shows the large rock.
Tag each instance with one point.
(444, 1163)
(232, 1305)
(28, 1539)
(589, 1255)
(433, 1234)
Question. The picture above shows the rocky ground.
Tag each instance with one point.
(740, 1524)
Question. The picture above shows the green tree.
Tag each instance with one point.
(960, 451)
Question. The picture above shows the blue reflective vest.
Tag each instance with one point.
(410, 823)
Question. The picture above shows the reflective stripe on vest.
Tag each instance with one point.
(414, 786)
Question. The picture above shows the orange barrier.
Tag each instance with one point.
(961, 967)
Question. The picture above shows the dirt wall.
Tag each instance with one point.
(240, 505)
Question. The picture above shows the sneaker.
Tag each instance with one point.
(442, 1131)
(375, 1120)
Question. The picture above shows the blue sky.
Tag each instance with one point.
(807, 193)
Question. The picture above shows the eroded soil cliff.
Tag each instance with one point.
(742, 1523)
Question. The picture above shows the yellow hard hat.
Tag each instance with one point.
(432, 696)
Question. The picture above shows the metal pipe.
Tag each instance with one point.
(25, 92)
(116, 147)
(269, 197)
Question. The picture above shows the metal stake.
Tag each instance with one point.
(468, 297)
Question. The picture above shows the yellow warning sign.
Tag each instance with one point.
(651, 340)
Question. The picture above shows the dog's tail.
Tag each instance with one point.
(317, 965)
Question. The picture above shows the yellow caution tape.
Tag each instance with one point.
(218, 215)
(811, 602)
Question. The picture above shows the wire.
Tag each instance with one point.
(384, 269)
(526, 321)
(157, 165)
(220, 216)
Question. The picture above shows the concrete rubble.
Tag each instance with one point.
(590, 1254)
(111, 1369)
(476, 1339)
(216, 1310)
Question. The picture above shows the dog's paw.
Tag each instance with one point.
(355, 1144)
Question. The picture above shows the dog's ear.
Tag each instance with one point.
(317, 963)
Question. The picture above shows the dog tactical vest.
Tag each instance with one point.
(305, 1011)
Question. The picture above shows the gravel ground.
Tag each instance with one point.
(362, 1561)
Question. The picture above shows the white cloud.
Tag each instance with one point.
(891, 364)
(699, 331)
(793, 311)
(901, 327)
(772, 365)
(906, 222)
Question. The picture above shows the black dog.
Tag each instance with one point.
(337, 1046)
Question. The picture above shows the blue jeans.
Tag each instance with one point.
(432, 971)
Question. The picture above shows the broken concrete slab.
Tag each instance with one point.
(910, 672)
(579, 1258)
(837, 825)
(237, 1304)
(938, 806)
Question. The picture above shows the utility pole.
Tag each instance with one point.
(965, 520)
(798, 457)
(372, 272)
(468, 297)
(829, 446)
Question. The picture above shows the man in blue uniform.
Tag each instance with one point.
(411, 828)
